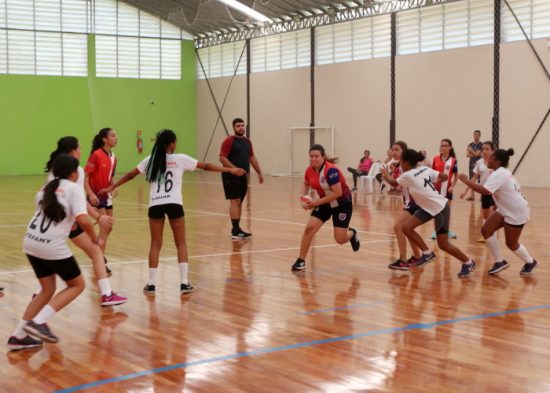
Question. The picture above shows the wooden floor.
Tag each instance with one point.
(347, 324)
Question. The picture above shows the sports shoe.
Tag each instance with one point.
(354, 241)
(423, 260)
(452, 235)
(113, 299)
(40, 330)
(27, 342)
(186, 288)
(412, 260)
(481, 240)
(528, 268)
(149, 289)
(399, 264)
(240, 234)
(499, 266)
(300, 264)
(466, 270)
(433, 236)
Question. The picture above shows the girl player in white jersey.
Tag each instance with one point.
(69, 145)
(446, 163)
(164, 170)
(59, 204)
(432, 205)
(512, 212)
(409, 209)
(482, 171)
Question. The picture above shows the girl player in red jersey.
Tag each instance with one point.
(512, 212)
(446, 163)
(164, 169)
(409, 209)
(69, 145)
(100, 170)
(335, 200)
(58, 205)
(431, 205)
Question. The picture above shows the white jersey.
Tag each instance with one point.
(419, 182)
(79, 181)
(511, 204)
(169, 189)
(405, 191)
(482, 170)
(46, 239)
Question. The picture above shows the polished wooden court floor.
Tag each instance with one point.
(346, 324)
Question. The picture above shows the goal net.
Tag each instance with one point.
(295, 159)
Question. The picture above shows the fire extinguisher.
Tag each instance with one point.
(139, 142)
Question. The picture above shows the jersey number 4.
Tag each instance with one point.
(428, 183)
(168, 184)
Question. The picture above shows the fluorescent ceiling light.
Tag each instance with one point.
(246, 10)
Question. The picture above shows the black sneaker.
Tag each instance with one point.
(240, 234)
(466, 270)
(109, 272)
(528, 268)
(186, 288)
(16, 344)
(41, 331)
(412, 260)
(499, 266)
(399, 264)
(149, 289)
(423, 260)
(300, 264)
(354, 241)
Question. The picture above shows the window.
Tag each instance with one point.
(221, 60)
(281, 51)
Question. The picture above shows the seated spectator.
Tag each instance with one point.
(362, 169)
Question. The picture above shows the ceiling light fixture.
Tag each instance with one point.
(246, 10)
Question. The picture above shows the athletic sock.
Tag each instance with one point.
(523, 254)
(236, 224)
(19, 332)
(183, 272)
(46, 313)
(104, 286)
(427, 252)
(469, 262)
(152, 276)
(492, 243)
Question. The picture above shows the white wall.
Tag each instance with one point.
(444, 94)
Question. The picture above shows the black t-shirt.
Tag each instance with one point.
(238, 151)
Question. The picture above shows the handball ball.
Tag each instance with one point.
(305, 200)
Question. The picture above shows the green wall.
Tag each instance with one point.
(35, 111)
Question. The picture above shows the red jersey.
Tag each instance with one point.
(328, 176)
(100, 169)
(450, 168)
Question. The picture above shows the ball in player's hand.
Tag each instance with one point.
(305, 200)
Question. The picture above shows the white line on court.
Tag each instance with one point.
(221, 254)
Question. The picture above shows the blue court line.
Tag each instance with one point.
(343, 308)
(412, 326)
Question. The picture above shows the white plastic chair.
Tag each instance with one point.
(368, 180)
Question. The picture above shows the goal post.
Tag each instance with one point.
(294, 160)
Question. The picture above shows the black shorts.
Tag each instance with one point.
(235, 187)
(172, 210)
(487, 201)
(66, 268)
(411, 208)
(449, 196)
(75, 231)
(341, 215)
(441, 219)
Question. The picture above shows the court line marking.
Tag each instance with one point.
(220, 254)
(409, 327)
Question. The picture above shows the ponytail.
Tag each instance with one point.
(63, 166)
(503, 156)
(97, 142)
(64, 145)
(321, 149)
(156, 167)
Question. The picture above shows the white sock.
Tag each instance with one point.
(46, 313)
(152, 276)
(19, 332)
(183, 272)
(427, 252)
(104, 286)
(523, 254)
(492, 244)
(469, 262)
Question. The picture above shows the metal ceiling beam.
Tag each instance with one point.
(325, 18)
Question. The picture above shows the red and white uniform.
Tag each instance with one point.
(511, 204)
(328, 176)
(100, 169)
(450, 168)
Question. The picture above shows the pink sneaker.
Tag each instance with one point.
(113, 299)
